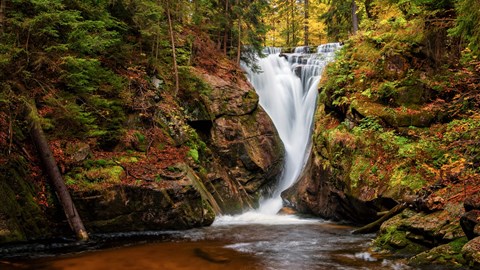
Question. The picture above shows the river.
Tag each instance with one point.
(282, 244)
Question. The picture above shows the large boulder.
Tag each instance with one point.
(472, 203)
(246, 151)
(316, 194)
(471, 252)
(470, 223)
(129, 208)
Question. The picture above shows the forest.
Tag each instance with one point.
(133, 116)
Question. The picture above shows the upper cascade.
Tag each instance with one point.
(287, 88)
(328, 47)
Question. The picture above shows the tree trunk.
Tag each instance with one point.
(354, 17)
(239, 44)
(3, 4)
(50, 166)
(239, 41)
(227, 28)
(294, 30)
(306, 29)
(174, 54)
(374, 226)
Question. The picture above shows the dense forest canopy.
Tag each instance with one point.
(80, 46)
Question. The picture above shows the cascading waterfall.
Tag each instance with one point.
(287, 89)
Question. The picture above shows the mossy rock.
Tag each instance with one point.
(96, 174)
(444, 255)
(471, 252)
(21, 217)
(395, 240)
(395, 117)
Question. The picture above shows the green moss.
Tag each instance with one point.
(21, 217)
(359, 167)
(94, 173)
(111, 174)
(445, 255)
(395, 240)
(457, 244)
(193, 153)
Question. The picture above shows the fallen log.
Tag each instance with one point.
(51, 168)
(375, 226)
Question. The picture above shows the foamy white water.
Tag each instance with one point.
(256, 217)
(287, 89)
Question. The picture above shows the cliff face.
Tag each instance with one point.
(173, 162)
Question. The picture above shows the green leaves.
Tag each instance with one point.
(86, 75)
(468, 24)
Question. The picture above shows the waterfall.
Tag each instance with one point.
(287, 89)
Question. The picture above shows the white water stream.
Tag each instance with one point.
(287, 89)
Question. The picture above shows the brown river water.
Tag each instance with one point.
(301, 244)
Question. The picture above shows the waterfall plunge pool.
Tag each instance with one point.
(283, 243)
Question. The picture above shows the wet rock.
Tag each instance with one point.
(471, 252)
(22, 217)
(211, 254)
(247, 153)
(470, 223)
(287, 211)
(315, 194)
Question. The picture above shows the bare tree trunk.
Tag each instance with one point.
(3, 4)
(354, 17)
(288, 23)
(50, 166)
(294, 31)
(306, 29)
(227, 28)
(174, 54)
(239, 43)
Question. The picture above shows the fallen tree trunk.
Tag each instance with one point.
(51, 168)
(374, 226)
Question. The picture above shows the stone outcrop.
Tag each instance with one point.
(326, 188)
(470, 222)
(127, 208)
(315, 194)
(247, 153)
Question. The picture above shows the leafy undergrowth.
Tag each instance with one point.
(110, 121)
(402, 110)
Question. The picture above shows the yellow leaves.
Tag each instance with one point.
(449, 171)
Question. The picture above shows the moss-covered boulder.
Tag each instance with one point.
(182, 205)
(447, 255)
(471, 252)
(402, 116)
